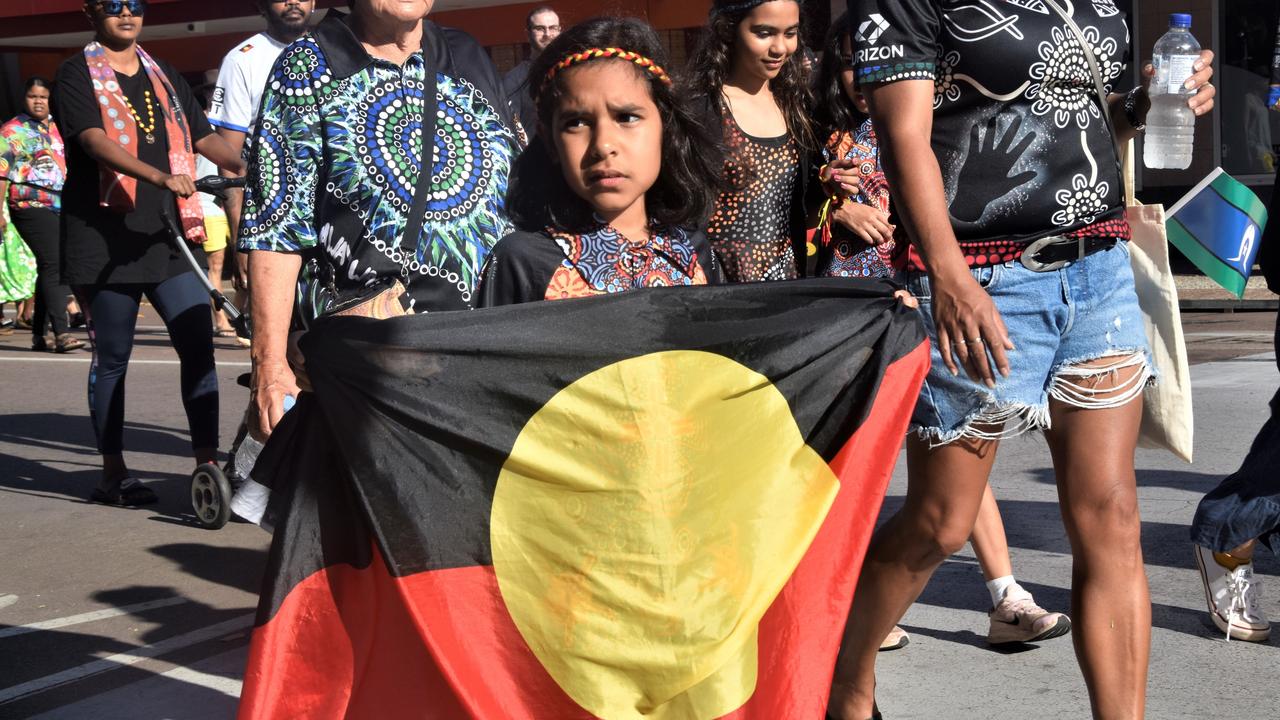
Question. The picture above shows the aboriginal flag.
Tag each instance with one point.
(652, 504)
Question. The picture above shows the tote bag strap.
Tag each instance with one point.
(1099, 87)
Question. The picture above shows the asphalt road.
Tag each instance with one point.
(140, 613)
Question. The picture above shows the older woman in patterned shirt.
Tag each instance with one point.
(338, 152)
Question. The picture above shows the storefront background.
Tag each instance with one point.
(1242, 136)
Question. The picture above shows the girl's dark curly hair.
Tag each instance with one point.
(835, 111)
(712, 61)
(688, 185)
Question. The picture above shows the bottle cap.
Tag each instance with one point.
(1180, 20)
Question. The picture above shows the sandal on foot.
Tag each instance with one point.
(225, 332)
(130, 492)
(66, 342)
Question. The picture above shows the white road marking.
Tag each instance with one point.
(125, 659)
(85, 359)
(209, 689)
(227, 686)
(7, 599)
(88, 617)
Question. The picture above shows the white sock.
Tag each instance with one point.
(999, 587)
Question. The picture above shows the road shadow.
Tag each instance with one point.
(23, 476)
(177, 624)
(240, 568)
(1037, 525)
(959, 586)
(970, 638)
(60, 457)
(1175, 479)
(63, 432)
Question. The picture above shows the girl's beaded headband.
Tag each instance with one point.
(654, 70)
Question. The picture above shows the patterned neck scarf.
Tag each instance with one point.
(119, 192)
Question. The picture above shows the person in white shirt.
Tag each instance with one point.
(234, 108)
(216, 230)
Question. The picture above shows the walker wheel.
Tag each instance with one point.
(211, 496)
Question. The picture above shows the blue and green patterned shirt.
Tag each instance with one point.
(336, 157)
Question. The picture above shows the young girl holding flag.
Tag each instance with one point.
(610, 197)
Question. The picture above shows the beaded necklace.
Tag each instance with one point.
(150, 127)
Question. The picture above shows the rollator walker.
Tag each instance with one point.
(211, 486)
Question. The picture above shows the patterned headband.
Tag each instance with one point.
(649, 66)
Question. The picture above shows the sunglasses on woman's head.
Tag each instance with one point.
(113, 8)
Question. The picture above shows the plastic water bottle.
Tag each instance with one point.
(247, 454)
(250, 499)
(1171, 125)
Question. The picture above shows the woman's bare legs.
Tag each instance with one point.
(944, 489)
(989, 542)
(1093, 453)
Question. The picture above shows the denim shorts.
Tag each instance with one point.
(1085, 311)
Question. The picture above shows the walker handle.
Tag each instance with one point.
(215, 184)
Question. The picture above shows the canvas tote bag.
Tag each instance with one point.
(1167, 419)
(1167, 415)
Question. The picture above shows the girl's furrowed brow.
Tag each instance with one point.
(569, 111)
(627, 108)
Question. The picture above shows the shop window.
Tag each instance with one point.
(1250, 131)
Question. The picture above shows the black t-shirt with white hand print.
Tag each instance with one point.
(1023, 147)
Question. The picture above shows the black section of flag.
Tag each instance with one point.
(414, 417)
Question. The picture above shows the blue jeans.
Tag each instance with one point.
(1246, 505)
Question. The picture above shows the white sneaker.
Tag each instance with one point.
(1232, 596)
(1018, 619)
(896, 639)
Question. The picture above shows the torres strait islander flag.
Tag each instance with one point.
(652, 504)
(1218, 225)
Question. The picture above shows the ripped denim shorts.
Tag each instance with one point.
(1085, 311)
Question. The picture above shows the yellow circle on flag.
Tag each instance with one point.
(644, 522)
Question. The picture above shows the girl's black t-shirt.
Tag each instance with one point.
(101, 246)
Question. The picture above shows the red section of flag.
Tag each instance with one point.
(359, 643)
(344, 645)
